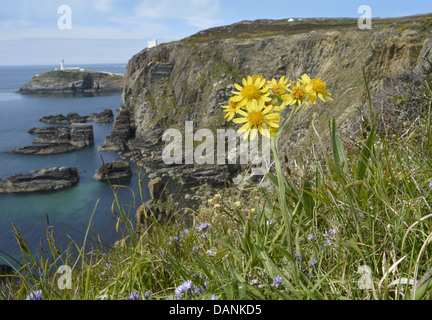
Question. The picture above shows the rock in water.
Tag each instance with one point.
(121, 132)
(82, 135)
(54, 140)
(103, 117)
(114, 170)
(44, 180)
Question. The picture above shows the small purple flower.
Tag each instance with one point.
(178, 292)
(430, 186)
(213, 297)
(269, 223)
(210, 251)
(197, 290)
(206, 286)
(298, 257)
(203, 236)
(107, 266)
(134, 296)
(36, 295)
(328, 243)
(184, 287)
(187, 285)
(277, 281)
(147, 294)
(310, 237)
(203, 226)
(313, 262)
(330, 233)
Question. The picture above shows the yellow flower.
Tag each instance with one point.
(318, 87)
(257, 76)
(257, 117)
(298, 94)
(251, 91)
(279, 88)
(231, 109)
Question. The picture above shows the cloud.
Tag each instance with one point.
(198, 13)
(104, 5)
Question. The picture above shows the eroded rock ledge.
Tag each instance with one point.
(54, 140)
(44, 180)
(113, 171)
(103, 117)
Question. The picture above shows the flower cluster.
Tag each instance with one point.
(328, 236)
(36, 295)
(136, 296)
(187, 288)
(258, 101)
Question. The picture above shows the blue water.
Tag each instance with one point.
(69, 210)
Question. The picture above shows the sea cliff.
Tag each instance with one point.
(190, 79)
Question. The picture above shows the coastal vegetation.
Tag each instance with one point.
(343, 214)
(359, 225)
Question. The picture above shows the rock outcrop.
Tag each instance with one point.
(44, 180)
(122, 132)
(72, 81)
(159, 208)
(116, 170)
(103, 117)
(54, 140)
(190, 79)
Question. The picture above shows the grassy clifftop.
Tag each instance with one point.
(267, 27)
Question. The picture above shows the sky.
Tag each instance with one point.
(41, 32)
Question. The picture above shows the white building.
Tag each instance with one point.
(152, 43)
(62, 65)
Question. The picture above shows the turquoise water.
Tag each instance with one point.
(68, 210)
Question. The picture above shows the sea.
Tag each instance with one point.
(68, 212)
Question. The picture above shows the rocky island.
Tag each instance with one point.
(73, 81)
(103, 117)
(116, 170)
(44, 180)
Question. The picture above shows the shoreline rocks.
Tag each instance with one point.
(44, 180)
(103, 117)
(113, 170)
(55, 140)
(159, 208)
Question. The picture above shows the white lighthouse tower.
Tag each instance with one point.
(62, 65)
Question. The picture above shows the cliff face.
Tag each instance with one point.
(189, 80)
(70, 81)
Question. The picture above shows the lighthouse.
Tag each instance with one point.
(62, 65)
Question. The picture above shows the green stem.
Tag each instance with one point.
(286, 214)
(294, 110)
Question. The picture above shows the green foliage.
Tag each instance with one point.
(369, 207)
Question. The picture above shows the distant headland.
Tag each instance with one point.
(72, 80)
